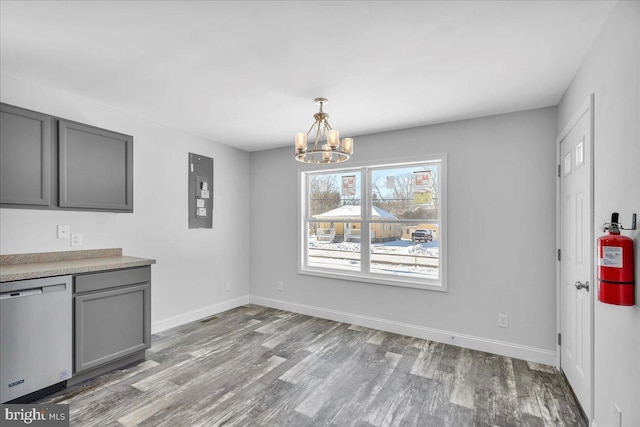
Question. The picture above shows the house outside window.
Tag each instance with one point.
(382, 223)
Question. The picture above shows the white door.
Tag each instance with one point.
(576, 263)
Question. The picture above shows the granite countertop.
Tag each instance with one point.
(47, 264)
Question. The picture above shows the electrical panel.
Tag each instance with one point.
(200, 191)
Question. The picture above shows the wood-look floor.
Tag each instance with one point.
(257, 366)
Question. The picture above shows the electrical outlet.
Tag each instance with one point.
(63, 231)
(503, 320)
(280, 286)
(76, 239)
(227, 286)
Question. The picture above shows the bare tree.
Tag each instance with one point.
(399, 199)
(403, 194)
(394, 200)
(324, 193)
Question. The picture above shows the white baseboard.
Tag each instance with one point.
(502, 348)
(197, 314)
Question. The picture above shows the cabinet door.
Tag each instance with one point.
(95, 168)
(111, 324)
(25, 151)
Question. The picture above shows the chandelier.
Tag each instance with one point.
(332, 150)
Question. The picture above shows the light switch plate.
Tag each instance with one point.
(63, 231)
(76, 239)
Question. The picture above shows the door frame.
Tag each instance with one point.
(586, 108)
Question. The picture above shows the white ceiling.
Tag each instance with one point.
(246, 73)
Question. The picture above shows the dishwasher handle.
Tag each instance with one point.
(55, 287)
(21, 293)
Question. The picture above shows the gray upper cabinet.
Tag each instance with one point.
(25, 157)
(47, 162)
(95, 168)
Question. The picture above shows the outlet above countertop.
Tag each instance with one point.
(46, 264)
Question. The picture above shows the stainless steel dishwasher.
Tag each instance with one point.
(35, 335)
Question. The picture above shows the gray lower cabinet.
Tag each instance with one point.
(112, 316)
(25, 152)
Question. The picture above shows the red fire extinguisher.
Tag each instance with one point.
(615, 266)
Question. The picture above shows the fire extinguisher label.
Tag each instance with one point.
(611, 257)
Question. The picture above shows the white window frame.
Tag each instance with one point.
(364, 275)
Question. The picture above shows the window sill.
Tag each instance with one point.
(373, 279)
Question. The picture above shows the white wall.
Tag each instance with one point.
(192, 265)
(501, 227)
(612, 72)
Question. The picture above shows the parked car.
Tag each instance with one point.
(421, 236)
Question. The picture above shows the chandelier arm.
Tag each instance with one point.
(311, 128)
(327, 125)
(315, 142)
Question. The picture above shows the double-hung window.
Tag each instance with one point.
(378, 223)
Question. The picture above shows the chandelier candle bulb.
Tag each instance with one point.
(333, 139)
(347, 145)
(326, 154)
(301, 142)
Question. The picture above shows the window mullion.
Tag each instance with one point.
(365, 227)
(303, 215)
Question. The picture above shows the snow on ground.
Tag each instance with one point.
(393, 269)
(395, 247)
